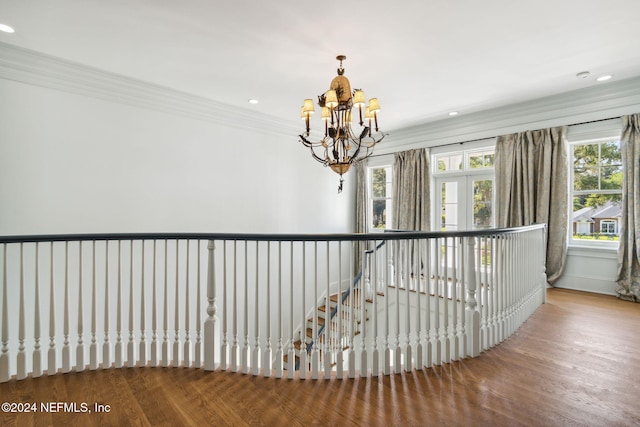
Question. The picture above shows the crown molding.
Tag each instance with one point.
(597, 102)
(603, 101)
(38, 69)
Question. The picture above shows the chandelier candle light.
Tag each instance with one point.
(341, 147)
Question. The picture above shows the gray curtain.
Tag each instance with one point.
(531, 171)
(629, 253)
(411, 194)
(362, 211)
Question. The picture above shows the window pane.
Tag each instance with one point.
(451, 162)
(476, 161)
(611, 178)
(379, 219)
(489, 160)
(597, 217)
(449, 206)
(585, 178)
(585, 155)
(479, 160)
(379, 182)
(482, 194)
(610, 153)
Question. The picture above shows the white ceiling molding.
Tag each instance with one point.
(34, 68)
(599, 102)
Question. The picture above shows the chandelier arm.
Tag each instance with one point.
(318, 158)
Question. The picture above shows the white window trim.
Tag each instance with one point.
(584, 134)
(385, 161)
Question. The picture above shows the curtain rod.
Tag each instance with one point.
(495, 136)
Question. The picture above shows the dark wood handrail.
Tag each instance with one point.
(335, 237)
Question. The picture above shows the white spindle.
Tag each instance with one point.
(445, 337)
(142, 351)
(165, 311)
(375, 341)
(255, 355)
(455, 345)
(410, 270)
(291, 358)
(93, 347)
(66, 349)
(4, 356)
(131, 360)
(154, 308)
(418, 275)
(471, 310)
(225, 314)
(388, 275)
(118, 348)
(314, 325)
(397, 353)
(22, 355)
(80, 347)
(327, 319)
(266, 361)
(494, 293)
(211, 324)
(176, 320)
(279, 353)
(437, 286)
(363, 295)
(430, 271)
(186, 353)
(339, 346)
(303, 316)
(352, 303)
(198, 345)
(234, 307)
(52, 367)
(37, 357)
(244, 359)
(106, 346)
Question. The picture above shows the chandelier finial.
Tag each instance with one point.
(340, 69)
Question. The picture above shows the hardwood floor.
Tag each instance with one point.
(576, 361)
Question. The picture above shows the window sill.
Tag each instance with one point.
(594, 251)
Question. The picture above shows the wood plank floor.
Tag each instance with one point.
(576, 361)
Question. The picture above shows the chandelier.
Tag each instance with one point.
(341, 147)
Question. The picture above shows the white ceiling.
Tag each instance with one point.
(421, 59)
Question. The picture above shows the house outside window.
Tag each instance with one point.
(596, 191)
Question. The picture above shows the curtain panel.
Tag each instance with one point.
(411, 192)
(362, 211)
(628, 281)
(531, 172)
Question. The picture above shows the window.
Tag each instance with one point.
(608, 227)
(464, 189)
(380, 180)
(596, 191)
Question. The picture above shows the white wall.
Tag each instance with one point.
(75, 164)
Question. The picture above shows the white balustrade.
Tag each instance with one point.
(290, 306)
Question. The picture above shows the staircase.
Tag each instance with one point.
(337, 332)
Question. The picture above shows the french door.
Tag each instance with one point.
(464, 202)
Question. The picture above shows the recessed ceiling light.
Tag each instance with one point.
(604, 78)
(253, 101)
(453, 113)
(6, 28)
(583, 74)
